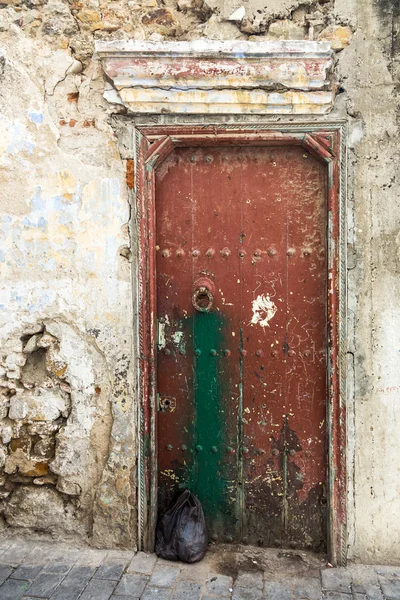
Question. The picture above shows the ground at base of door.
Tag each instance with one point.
(57, 571)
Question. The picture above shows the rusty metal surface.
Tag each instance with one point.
(242, 389)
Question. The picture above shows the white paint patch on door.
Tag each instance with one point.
(162, 334)
(263, 310)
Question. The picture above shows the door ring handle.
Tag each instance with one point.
(202, 299)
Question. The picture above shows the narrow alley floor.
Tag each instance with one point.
(32, 569)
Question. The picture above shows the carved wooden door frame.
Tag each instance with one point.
(326, 141)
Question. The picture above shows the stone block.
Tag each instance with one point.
(142, 563)
(336, 580)
(156, 593)
(306, 588)
(187, 589)
(45, 584)
(372, 592)
(339, 36)
(249, 580)
(390, 588)
(337, 596)
(5, 571)
(98, 589)
(219, 585)
(91, 557)
(286, 30)
(161, 20)
(12, 589)
(74, 583)
(3, 456)
(40, 508)
(274, 590)
(14, 360)
(90, 19)
(131, 585)
(164, 576)
(58, 567)
(197, 572)
(389, 572)
(39, 404)
(27, 572)
(27, 467)
(240, 593)
(111, 571)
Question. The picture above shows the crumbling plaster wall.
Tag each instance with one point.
(67, 452)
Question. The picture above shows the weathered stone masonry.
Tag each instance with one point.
(67, 319)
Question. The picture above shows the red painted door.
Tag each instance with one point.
(242, 340)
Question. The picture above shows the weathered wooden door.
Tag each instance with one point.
(242, 340)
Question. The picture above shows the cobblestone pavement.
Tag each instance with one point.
(30, 569)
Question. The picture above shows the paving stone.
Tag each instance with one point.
(110, 571)
(219, 585)
(388, 571)
(74, 583)
(119, 556)
(156, 593)
(336, 580)
(187, 589)
(306, 588)
(372, 592)
(12, 589)
(15, 554)
(390, 588)
(98, 589)
(251, 580)
(142, 563)
(164, 576)
(45, 584)
(4, 544)
(59, 568)
(113, 597)
(336, 596)
(27, 572)
(197, 572)
(91, 557)
(363, 577)
(241, 593)
(5, 571)
(131, 585)
(275, 590)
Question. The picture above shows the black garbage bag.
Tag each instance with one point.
(182, 532)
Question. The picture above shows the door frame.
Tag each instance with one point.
(327, 142)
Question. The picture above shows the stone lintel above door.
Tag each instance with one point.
(211, 77)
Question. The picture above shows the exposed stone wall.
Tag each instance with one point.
(67, 428)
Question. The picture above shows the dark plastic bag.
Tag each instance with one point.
(182, 532)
